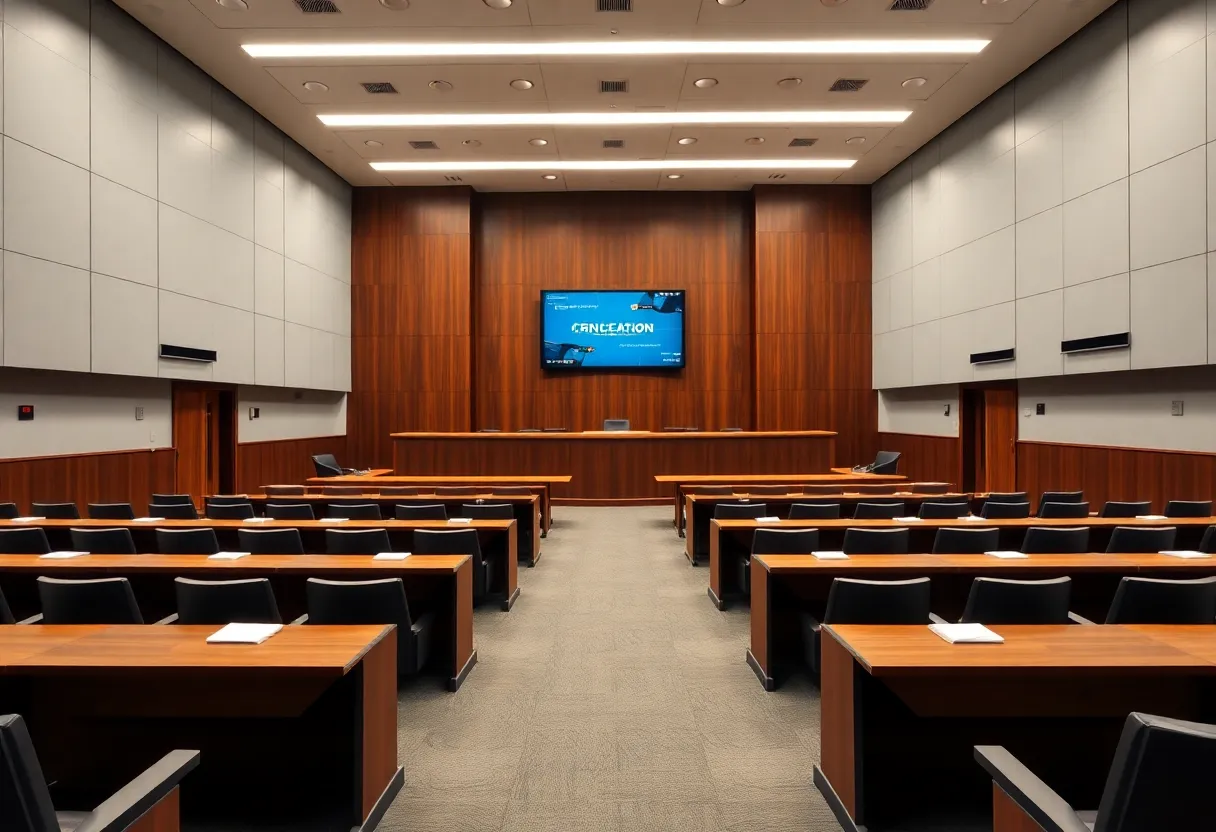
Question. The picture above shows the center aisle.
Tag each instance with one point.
(613, 697)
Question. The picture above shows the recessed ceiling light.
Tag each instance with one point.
(471, 143)
(645, 118)
(789, 83)
(498, 4)
(373, 143)
(754, 140)
(315, 86)
(395, 5)
(687, 140)
(234, 5)
(992, 2)
(705, 83)
(912, 83)
(549, 176)
(856, 140)
(417, 49)
(441, 86)
(521, 84)
(614, 165)
(675, 176)
(731, 2)
(538, 142)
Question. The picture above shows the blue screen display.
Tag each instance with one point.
(612, 329)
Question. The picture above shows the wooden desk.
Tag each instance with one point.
(494, 535)
(441, 584)
(300, 728)
(902, 710)
(613, 468)
(729, 539)
(784, 585)
(525, 506)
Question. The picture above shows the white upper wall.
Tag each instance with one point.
(289, 414)
(1080, 200)
(144, 204)
(919, 410)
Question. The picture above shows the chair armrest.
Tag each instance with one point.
(168, 619)
(33, 619)
(934, 618)
(1032, 795)
(303, 619)
(1078, 619)
(126, 805)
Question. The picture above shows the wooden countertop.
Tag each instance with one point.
(732, 479)
(261, 564)
(204, 523)
(967, 564)
(451, 479)
(1019, 522)
(827, 498)
(623, 435)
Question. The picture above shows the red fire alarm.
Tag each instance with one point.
(25, 413)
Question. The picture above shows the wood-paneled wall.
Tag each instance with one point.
(115, 476)
(812, 314)
(411, 316)
(692, 241)
(925, 458)
(283, 461)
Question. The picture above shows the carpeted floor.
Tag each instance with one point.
(612, 697)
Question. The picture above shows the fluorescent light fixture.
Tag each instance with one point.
(599, 165)
(618, 48)
(613, 119)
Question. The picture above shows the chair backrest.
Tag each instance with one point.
(355, 511)
(459, 490)
(885, 462)
(172, 499)
(26, 805)
(249, 601)
(785, 541)
(226, 499)
(1003, 601)
(23, 542)
(1121, 508)
(739, 511)
(398, 491)
(878, 511)
(965, 541)
(187, 541)
(815, 511)
(447, 542)
(103, 541)
(8, 511)
(289, 511)
(229, 511)
(270, 541)
(713, 490)
(1139, 539)
(1208, 544)
(425, 511)
(1160, 778)
(357, 541)
(1188, 508)
(6, 614)
(94, 601)
(1054, 511)
(55, 511)
(342, 490)
(930, 488)
(616, 424)
(931, 510)
(1004, 511)
(1060, 497)
(283, 490)
(326, 465)
(852, 601)
(1160, 601)
(1006, 497)
(111, 511)
(1056, 540)
(875, 541)
(488, 511)
(173, 511)
(358, 602)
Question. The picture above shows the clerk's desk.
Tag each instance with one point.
(300, 730)
(902, 710)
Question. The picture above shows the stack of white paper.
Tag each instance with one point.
(258, 519)
(1007, 555)
(62, 555)
(768, 519)
(333, 519)
(830, 555)
(1151, 517)
(460, 519)
(149, 519)
(1184, 553)
(228, 556)
(972, 517)
(391, 556)
(27, 519)
(243, 633)
(966, 633)
(907, 519)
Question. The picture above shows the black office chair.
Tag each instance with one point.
(187, 541)
(1208, 544)
(1060, 497)
(374, 602)
(1004, 601)
(428, 511)
(875, 542)
(249, 601)
(776, 542)
(8, 511)
(458, 542)
(6, 614)
(740, 511)
(95, 601)
(111, 511)
(289, 511)
(815, 511)
(943, 511)
(1137, 539)
(1160, 779)
(103, 541)
(355, 511)
(28, 807)
(283, 490)
(853, 601)
(1056, 511)
(1118, 508)
(965, 541)
(1160, 601)
(1006, 497)
(885, 462)
(1004, 511)
(488, 511)
(55, 511)
(270, 541)
(357, 541)
(229, 511)
(878, 511)
(226, 500)
(172, 499)
(1188, 508)
(327, 466)
(173, 511)
(1056, 540)
(21, 541)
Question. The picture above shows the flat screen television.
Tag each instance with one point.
(612, 329)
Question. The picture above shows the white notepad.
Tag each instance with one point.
(62, 555)
(1007, 555)
(27, 519)
(228, 556)
(243, 633)
(966, 633)
(391, 556)
(1151, 517)
(1184, 553)
(258, 519)
(907, 519)
(149, 519)
(460, 519)
(973, 518)
(768, 519)
(333, 519)
(829, 555)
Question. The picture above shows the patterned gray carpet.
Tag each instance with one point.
(613, 697)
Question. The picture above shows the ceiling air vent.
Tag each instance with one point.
(910, 5)
(424, 145)
(847, 85)
(453, 179)
(379, 88)
(614, 5)
(317, 6)
(803, 142)
(613, 143)
(776, 176)
(614, 86)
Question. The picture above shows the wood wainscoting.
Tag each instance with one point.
(286, 461)
(925, 458)
(107, 477)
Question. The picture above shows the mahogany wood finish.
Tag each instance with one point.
(117, 476)
(164, 816)
(678, 240)
(191, 440)
(1007, 816)
(837, 757)
(1000, 438)
(283, 461)
(812, 349)
(924, 458)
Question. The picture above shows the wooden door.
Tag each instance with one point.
(204, 437)
(1000, 438)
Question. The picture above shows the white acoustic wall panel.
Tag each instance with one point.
(927, 291)
(124, 139)
(1099, 307)
(880, 301)
(956, 348)
(125, 331)
(268, 351)
(124, 227)
(993, 328)
(1039, 253)
(1096, 234)
(1169, 314)
(268, 283)
(283, 415)
(46, 103)
(920, 411)
(901, 300)
(927, 353)
(1168, 210)
(1168, 104)
(1040, 329)
(46, 206)
(46, 314)
(1039, 172)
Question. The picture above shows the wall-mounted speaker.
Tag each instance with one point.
(1117, 341)
(187, 353)
(992, 356)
